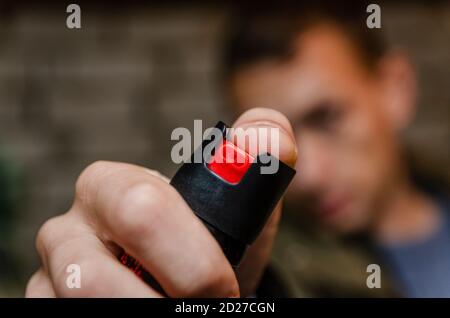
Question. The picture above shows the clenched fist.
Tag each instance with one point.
(119, 207)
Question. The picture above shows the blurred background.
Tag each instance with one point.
(116, 89)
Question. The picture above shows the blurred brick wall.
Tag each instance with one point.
(116, 88)
(424, 31)
(113, 90)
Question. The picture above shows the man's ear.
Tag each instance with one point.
(398, 88)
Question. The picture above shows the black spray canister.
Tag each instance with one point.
(234, 200)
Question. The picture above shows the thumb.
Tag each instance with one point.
(263, 121)
(255, 261)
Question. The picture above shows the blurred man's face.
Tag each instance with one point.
(347, 151)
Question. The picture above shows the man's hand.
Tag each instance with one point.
(121, 207)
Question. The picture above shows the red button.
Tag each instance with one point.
(230, 162)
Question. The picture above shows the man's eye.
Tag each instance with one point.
(324, 117)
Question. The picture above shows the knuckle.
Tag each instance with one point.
(47, 234)
(31, 289)
(91, 172)
(140, 208)
(213, 281)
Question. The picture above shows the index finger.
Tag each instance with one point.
(150, 220)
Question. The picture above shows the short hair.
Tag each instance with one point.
(267, 31)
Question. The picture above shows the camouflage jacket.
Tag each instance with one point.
(310, 263)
